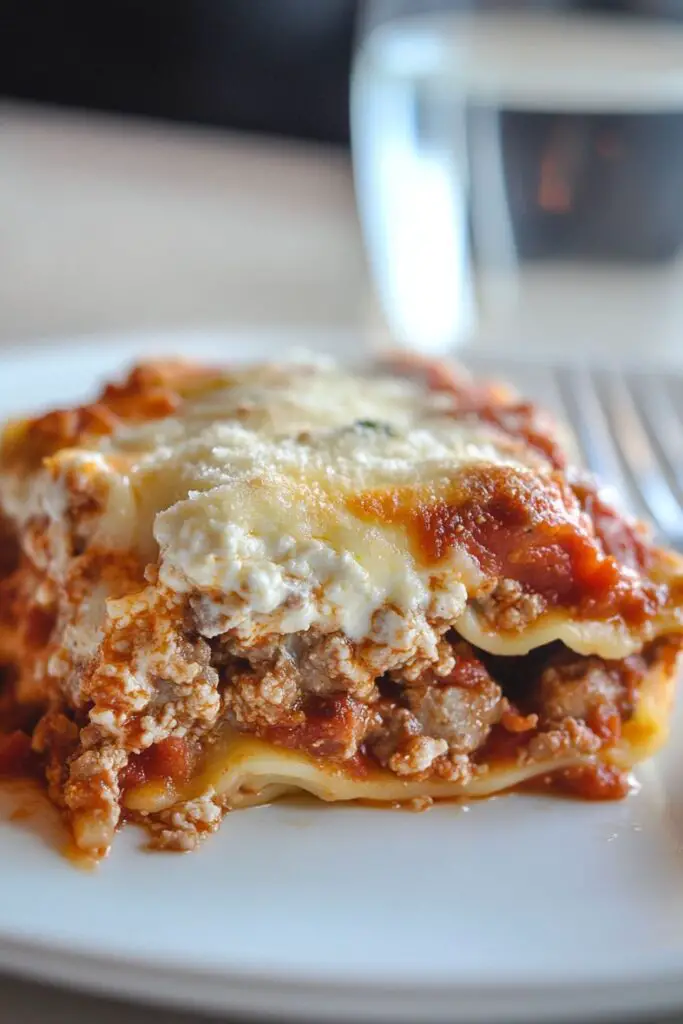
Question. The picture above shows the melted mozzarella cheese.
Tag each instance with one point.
(245, 500)
(245, 497)
(262, 514)
(277, 534)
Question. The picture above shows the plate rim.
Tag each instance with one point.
(308, 1000)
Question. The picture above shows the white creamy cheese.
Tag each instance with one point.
(264, 526)
(248, 494)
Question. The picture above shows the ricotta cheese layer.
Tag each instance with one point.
(248, 496)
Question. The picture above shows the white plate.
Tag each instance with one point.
(517, 909)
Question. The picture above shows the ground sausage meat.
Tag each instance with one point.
(396, 740)
(459, 707)
(509, 607)
(588, 689)
(461, 716)
(441, 718)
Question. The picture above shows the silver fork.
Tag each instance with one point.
(628, 425)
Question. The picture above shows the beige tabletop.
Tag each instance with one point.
(109, 224)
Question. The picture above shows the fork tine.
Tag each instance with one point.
(586, 416)
(674, 390)
(629, 428)
(639, 458)
(663, 424)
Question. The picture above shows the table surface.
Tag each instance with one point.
(111, 225)
(33, 1003)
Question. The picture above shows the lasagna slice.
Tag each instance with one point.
(219, 586)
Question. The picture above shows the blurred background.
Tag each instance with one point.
(187, 164)
(279, 68)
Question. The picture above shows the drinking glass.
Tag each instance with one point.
(519, 173)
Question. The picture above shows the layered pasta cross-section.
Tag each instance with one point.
(220, 586)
